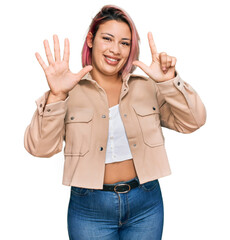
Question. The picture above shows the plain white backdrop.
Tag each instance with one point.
(33, 202)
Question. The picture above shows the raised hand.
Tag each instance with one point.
(59, 77)
(162, 67)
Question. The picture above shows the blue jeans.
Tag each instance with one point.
(106, 215)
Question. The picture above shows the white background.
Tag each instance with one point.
(196, 196)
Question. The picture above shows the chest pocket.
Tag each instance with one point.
(149, 121)
(78, 131)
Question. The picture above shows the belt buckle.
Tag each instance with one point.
(122, 184)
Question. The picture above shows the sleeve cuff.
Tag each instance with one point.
(171, 86)
(50, 109)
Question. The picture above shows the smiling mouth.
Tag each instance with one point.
(112, 59)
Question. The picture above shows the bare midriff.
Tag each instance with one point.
(119, 171)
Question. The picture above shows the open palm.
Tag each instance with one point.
(162, 67)
(59, 77)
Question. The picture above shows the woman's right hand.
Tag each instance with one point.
(59, 77)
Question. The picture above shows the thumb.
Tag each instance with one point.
(142, 66)
(84, 71)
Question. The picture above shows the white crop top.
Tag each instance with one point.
(117, 145)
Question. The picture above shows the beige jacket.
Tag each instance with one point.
(82, 121)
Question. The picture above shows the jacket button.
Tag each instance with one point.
(154, 108)
(101, 148)
(178, 83)
(72, 118)
(103, 116)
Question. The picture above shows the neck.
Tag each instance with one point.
(106, 80)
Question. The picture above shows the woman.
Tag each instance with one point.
(111, 122)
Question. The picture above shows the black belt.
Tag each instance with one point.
(121, 187)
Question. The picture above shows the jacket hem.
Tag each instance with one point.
(66, 183)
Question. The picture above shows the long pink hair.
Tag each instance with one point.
(107, 13)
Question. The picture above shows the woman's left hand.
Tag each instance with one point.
(162, 67)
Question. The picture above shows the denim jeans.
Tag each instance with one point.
(106, 215)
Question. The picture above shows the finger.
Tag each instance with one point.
(163, 60)
(169, 61)
(84, 71)
(42, 63)
(152, 45)
(66, 51)
(173, 63)
(142, 66)
(56, 48)
(48, 52)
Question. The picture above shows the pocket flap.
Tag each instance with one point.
(78, 115)
(144, 110)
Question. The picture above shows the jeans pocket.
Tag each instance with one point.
(78, 191)
(149, 186)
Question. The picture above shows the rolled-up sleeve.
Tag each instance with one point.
(181, 108)
(44, 135)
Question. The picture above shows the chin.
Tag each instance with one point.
(112, 71)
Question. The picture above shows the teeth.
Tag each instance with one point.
(113, 60)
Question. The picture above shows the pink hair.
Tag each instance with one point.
(107, 13)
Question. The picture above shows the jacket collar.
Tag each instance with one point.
(88, 76)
